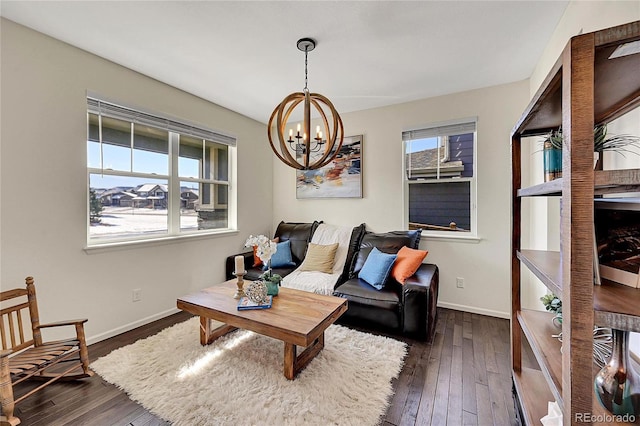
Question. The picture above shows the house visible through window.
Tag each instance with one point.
(151, 176)
(440, 178)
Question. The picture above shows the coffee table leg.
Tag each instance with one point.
(208, 335)
(294, 364)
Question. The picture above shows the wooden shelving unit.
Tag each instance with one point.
(584, 88)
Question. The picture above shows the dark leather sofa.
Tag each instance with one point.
(408, 309)
(299, 234)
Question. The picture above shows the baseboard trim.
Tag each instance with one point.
(127, 327)
(474, 310)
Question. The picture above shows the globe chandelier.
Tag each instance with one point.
(299, 150)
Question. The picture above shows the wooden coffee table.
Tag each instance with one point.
(296, 317)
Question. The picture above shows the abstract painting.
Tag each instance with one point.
(342, 178)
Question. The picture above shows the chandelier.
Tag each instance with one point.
(300, 150)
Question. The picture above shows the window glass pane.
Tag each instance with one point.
(93, 146)
(202, 159)
(442, 157)
(189, 200)
(150, 150)
(93, 154)
(129, 206)
(197, 209)
(190, 157)
(437, 205)
(461, 149)
(116, 144)
(222, 163)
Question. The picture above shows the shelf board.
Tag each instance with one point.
(546, 266)
(553, 187)
(617, 306)
(616, 181)
(605, 182)
(533, 393)
(539, 329)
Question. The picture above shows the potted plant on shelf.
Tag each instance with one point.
(553, 304)
(601, 335)
(552, 148)
(265, 249)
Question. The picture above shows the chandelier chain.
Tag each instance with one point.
(305, 70)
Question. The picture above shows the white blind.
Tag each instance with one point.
(446, 130)
(100, 107)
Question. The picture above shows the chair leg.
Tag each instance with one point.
(6, 395)
(84, 353)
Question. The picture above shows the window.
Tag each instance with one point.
(151, 176)
(440, 178)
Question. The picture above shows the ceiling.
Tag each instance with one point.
(242, 55)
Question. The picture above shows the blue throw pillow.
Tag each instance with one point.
(377, 267)
(282, 257)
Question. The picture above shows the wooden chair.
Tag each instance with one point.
(22, 359)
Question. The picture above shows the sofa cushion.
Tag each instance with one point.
(388, 242)
(358, 291)
(282, 257)
(299, 234)
(407, 263)
(320, 258)
(354, 245)
(318, 282)
(377, 267)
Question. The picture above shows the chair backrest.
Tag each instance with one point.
(19, 307)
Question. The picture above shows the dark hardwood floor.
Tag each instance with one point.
(462, 378)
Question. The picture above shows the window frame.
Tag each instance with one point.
(173, 179)
(472, 234)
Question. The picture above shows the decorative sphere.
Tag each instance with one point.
(256, 291)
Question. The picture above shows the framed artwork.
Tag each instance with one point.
(617, 228)
(342, 178)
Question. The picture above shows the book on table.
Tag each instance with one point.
(245, 304)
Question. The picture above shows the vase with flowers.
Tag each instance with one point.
(265, 249)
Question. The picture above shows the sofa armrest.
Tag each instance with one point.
(420, 298)
(230, 265)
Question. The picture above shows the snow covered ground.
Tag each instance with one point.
(128, 220)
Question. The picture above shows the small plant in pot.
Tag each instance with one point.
(272, 280)
(552, 147)
(553, 304)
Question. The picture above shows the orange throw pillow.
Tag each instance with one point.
(407, 263)
(257, 262)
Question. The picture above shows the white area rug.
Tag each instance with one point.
(238, 380)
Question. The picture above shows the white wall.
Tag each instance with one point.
(543, 223)
(44, 194)
(582, 17)
(485, 266)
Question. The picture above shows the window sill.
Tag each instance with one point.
(131, 244)
(470, 239)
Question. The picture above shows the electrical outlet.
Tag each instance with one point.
(460, 282)
(137, 294)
